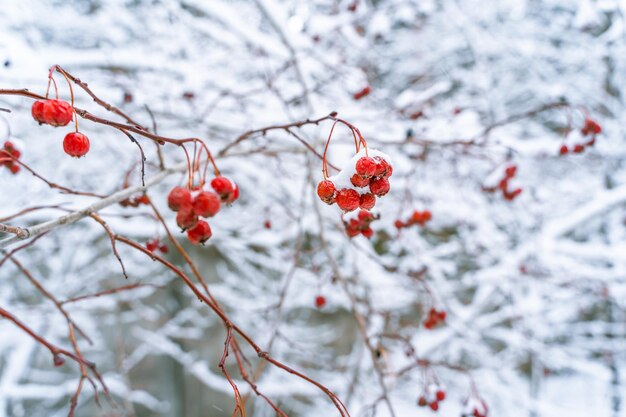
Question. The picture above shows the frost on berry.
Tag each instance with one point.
(348, 199)
(178, 198)
(76, 144)
(200, 233)
(359, 181)
(206, 204)
(186, 218)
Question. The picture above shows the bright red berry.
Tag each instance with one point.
(366, 166)
(37, 111)
(186, 218)
(441, 395)
(382, 167)
(152, 245)
(563, 150)
(368, 201)
(326, 191)
(579, 148)
(510, 171)
(348, 199)
(434, 405)
(362, 93)
(200, 233)
(179, 198)
(368, 232)
(225, 188)
(57, 112)
(14, 169)
(320, 301)
(399, 224)
(379, 186)
(359, 181)
(75, 144)
(206, 204)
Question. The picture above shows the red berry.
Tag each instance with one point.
(511, 195)
(14, 169)
(76, 144)
(367, 201)
(352, 231)
(326, 191)
(434, 406)
(163, 248)
(267, 224)
(503, 184)
(206, 204)
(379, 186)
(441, 395)
(320, 301)
(365, 166)
(144, 199)
(591, 127)
(426, 215)
(563, 150)
(382, 167)
(37, 111)
(422, 401)
(152, 245)
(359, 181)
(579, 148)
(368, 233)
(57, 112)
(200, 233)
(365, 216)
(186, 218)
(399, 224)
(348, 199)
(179, 198)
(225, 188)
(510, 171)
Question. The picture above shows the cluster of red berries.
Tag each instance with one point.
(432, 396)
(7, 156)
(155, 244)
(435, 318)
(475, 407)
(191, 206)
(504, 184)
(59, 113)
(361, 224)
(320, 301)
(418, 217)
(369, 172)
(590, 128)
(136, 201)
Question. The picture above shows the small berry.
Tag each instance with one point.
(579, 148)
(563, 150)
(58, 360)
(225, 188)
(37, 111)
(368, 233)
(14, 169)
(320, 301)
(421, 401)
(359, 181)
(366, 166)
(179, 198)
(163, 248)
(200, 233)
(367, 202)
(379, 186)
(441, 395)
(152, 245)
(348, 199)
(57, 113)
(206, 204)
(326, 191)
(75, 144)
(434, 405)
(510, 171)
(399, 224)
(382, 167)
(267, 224)
(186, 218)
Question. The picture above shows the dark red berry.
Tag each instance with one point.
(186, 218)
(399, 224)
(379, 186)
(362, 93)
(563, 150)
(178, 198)
(368, 201)
(75, 144)
(359, 181)
(200, 233)
(421, 401)
(58, 360)
(348, 199)
(579, 148)
(206, 204)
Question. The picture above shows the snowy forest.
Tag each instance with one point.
(351, 208)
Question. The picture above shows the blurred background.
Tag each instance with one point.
(454, 91)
